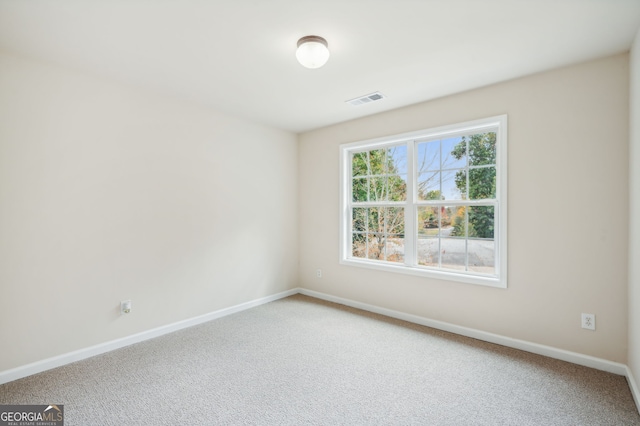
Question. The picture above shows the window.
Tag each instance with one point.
(430, 203)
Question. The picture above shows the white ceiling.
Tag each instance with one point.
(239, 55)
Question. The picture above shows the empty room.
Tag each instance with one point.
(319, 212)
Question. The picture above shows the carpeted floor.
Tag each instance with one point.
(300, 361)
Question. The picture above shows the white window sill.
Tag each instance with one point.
(463, 277)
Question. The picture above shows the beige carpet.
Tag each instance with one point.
(302, 361)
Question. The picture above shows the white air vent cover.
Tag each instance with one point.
(366, 99)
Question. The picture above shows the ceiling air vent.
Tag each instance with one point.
(366, 99)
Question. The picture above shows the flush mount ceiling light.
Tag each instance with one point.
(312, 51)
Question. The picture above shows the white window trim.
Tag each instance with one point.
(499, 281)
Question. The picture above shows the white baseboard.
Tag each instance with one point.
(633, 386)
(551, 352)
(60, 360)
(573, 357)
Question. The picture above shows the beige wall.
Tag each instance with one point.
(107, 193)
(568, 211)
(634, 214)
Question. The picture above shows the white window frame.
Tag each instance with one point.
(499, 280)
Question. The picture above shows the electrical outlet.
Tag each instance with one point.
(589, 321)
(318, 273)
(125, 307)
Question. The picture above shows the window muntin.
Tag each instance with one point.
(378, 233)
(379, 175)
(430, 203)
(462, 170)
(378, 194)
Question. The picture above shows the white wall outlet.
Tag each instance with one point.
(318, 273)
(589, 321)
(125, 307)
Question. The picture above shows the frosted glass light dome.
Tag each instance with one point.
(312, 51)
